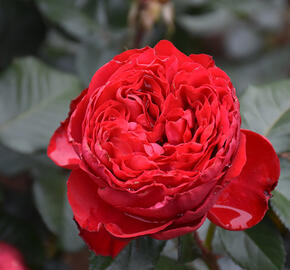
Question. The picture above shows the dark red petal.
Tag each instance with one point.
(102, 243)
(60, 150)
(244, 202)
(196, 199)
(175, 232)
(91, 211)
(145, 197)
(203, 59)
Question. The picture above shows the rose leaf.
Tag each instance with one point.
(49, 192)
(266, 110)
(33, 100)
(281, 195)
(258, 248)
(142, 254)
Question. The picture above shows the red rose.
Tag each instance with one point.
(10, 258)
(155, 147)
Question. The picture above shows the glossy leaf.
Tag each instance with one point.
(142, 254)
(281, 195)
(50, 195)
(258, 248)
(266, 110)
(34, 98)
(226, 263)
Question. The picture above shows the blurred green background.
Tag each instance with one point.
(49, 50)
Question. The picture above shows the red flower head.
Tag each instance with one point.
(10, 258)
(155, 148)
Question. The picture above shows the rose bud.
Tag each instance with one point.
(10, 258)
(155, 148)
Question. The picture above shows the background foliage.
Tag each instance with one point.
(49, 50)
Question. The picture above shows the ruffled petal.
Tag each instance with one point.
(102, 243)
(90, 211)
(165, 48)
(203, 59)
(103, 74)
(169, 207)
(60, 150)
(244, 202)
(175, 232)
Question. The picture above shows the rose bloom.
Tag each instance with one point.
(155, 148)
(10, 258)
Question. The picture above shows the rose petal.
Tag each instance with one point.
(198, 199)
(244, 202)
(203, 59)
(239, 161)
(144, 197)
(175, 232)
(102, 243)
(91, 211)
(60, 150)
(165, 48)
(104, 73)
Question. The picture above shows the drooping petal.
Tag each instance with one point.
(91, 211)
(102, 243)
(60, 150)
(244, 202)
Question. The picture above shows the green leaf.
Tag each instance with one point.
(281, 195)
(76, 17)
(95, 52)
(226, 263)
(99, 262)
(166, 263)
(12, 162)
(205, 24)
(258, 69)
(34, 98)
(266, 110)
(50, 196)
(188, 249)
(142, 254)
(258, 248)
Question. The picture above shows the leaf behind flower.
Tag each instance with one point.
(34, 98)
(266, 110)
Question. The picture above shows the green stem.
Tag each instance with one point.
(209, 236)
